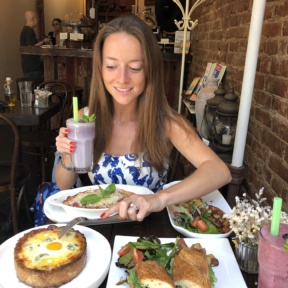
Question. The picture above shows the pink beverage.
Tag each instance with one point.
(83, 134)
(273, 260)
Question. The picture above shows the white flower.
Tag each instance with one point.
(247, 218)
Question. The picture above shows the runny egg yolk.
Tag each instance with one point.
(54, 246)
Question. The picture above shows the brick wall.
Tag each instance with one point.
(221, 36)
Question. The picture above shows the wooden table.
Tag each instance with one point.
(31, 116)
(157, 224)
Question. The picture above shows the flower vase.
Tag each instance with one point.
(247, 257)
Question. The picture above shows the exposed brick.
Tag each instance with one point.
(285, 28)
(281, 10)
(279, 127)
(272, 29)
(284, 68)
(273, 142)
(271, 47)
(277, 86)
(263, 117)
(276, 67)
(279, 167)
(262, 98)
(283, 46)
(280, 106)
(222, 36)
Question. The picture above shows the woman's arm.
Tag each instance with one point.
(211, 173)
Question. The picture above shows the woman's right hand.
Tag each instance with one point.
(63, 144)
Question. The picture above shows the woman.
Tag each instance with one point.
(135, 127)
(55, 34)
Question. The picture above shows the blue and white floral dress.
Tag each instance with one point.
(130, 169)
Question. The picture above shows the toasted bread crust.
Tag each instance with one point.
(106, 202)
(49, 276)
(191, 269)
(152, 274)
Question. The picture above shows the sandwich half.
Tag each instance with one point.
(191, 269)
(151, 274)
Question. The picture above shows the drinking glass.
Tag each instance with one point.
(83, 134)
(25, 88)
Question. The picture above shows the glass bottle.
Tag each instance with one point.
(10, 96)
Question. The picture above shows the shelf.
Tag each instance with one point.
(190, 106)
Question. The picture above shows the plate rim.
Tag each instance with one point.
(90, 239)
(123, 239)
(70, 192)
(189, 234)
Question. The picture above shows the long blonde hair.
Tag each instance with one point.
(153, 109)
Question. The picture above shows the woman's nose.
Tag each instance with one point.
(123, 75)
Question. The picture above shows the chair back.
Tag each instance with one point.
(15, 153)
(61, 92)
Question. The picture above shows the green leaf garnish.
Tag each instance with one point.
(89, 199)
(87, 119)
(93, 198)
(108, 190)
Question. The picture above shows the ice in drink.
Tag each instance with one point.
(273, 260)
(83, 134)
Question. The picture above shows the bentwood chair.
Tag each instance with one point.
(14, 176)
(42, 142)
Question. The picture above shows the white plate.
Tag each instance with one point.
(56, 201)
(94, 273)
(98, 256)
(227, 273)
(214, 198)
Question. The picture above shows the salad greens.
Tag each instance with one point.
(184, 219)
(93, 198)
(153, 250)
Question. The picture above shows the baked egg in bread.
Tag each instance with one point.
(43, 260)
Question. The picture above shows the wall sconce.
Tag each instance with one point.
(225, 122)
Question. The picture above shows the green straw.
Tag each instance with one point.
(276, 215)
(75, 109)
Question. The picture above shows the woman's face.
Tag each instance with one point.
(56, 25)
(122, 70)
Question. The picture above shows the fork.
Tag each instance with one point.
(70, 224)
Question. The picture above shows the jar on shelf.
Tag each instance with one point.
(205, 93)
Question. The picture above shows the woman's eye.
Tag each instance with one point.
(110, 67)
(135, 69)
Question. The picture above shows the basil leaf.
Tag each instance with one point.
(92, 118)
(108, 190)
(87, 119)
(90, 199)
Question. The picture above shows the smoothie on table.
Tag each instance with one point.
(273, 260)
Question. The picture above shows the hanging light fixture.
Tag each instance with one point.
(225, 122)
(210, 110)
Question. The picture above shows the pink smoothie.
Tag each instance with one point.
(273, 261)
(83, 134)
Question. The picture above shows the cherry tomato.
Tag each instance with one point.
(137, 255)
(124, 250)
(201, 224)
